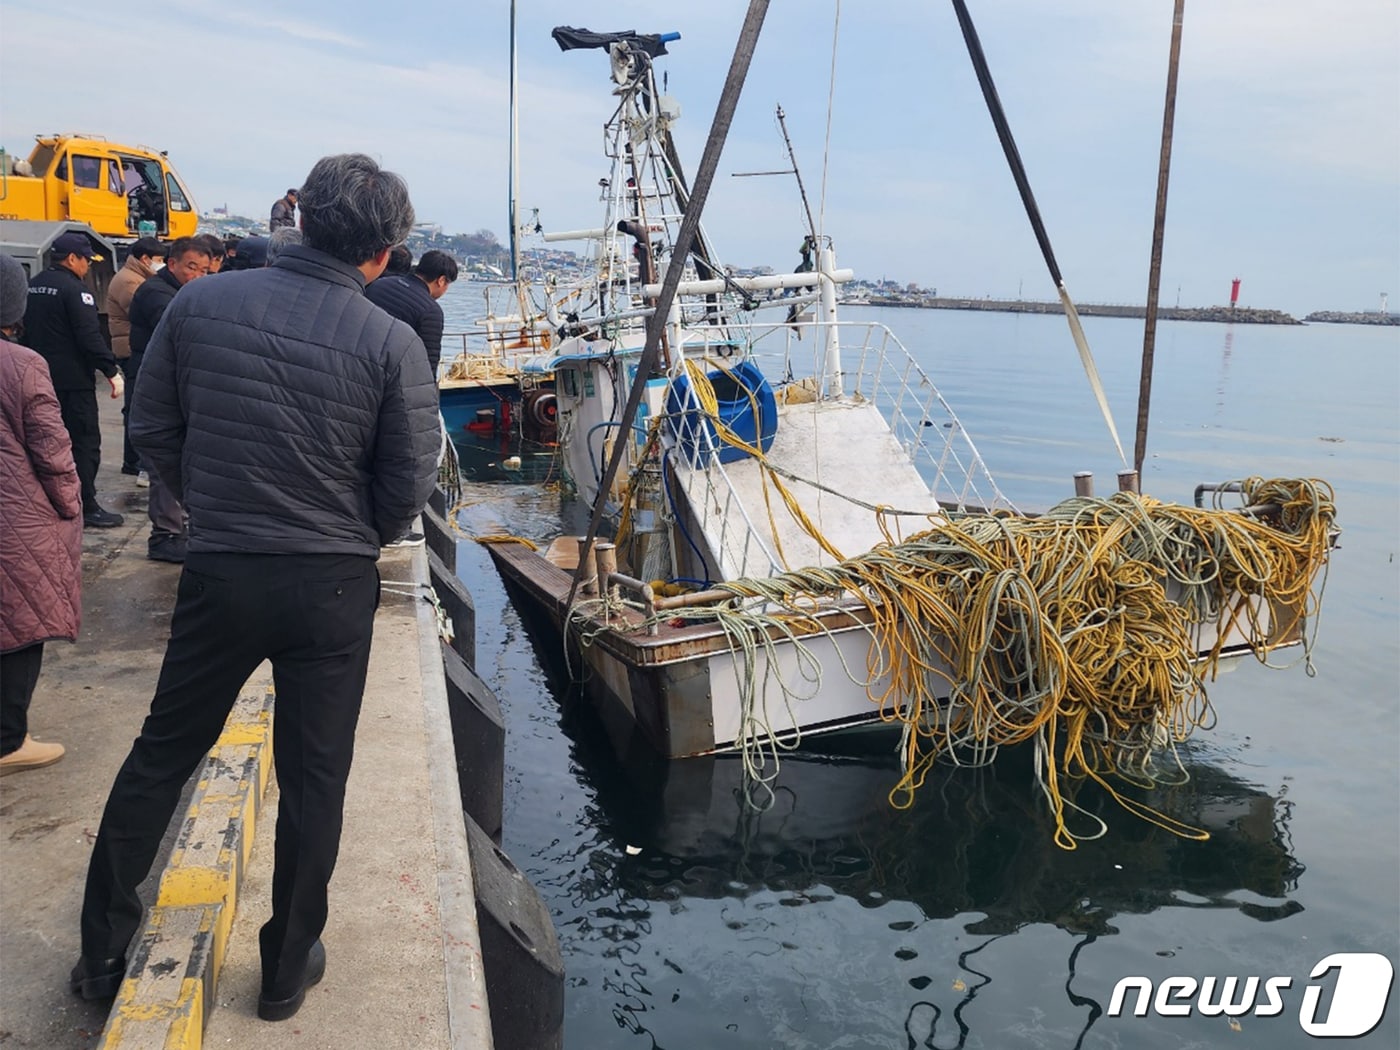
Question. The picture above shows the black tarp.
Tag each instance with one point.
(569, 39)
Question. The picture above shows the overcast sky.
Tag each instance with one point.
(1286, 166)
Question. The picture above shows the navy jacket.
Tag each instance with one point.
(406, 297)
(287, 413)
(60, 323)
(148, 305)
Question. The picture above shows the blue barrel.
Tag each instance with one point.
(738, 391)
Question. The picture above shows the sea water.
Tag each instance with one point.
(689, 921)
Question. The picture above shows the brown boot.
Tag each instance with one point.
(30, 755)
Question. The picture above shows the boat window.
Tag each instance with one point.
(87, 172)
(178, 201)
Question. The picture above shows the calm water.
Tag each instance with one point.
(833, 921)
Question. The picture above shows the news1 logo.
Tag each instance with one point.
(1359, 996)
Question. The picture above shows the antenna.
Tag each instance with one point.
(792, 158)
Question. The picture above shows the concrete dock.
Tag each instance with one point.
(404, 951)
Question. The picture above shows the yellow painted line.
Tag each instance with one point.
(171, 981)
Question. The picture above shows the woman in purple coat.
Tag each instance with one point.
(41, 531)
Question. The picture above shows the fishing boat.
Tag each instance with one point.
(804, 538)
(503, 423)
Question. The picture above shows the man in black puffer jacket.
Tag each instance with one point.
(298, 425)
(412, 298)
(188, 259)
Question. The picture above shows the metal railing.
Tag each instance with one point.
(876, 369)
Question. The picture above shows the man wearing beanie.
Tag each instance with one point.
(41, 535)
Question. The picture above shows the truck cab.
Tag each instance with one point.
(122, 192)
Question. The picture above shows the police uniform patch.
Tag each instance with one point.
(88, 300)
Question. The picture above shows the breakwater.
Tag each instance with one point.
(1219, 314)
(1345, 317)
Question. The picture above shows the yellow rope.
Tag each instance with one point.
(708, 402)
(993, 630)
(505, 538)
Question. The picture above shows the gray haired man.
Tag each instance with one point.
(297, 424)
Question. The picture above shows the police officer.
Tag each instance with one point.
(60, 322)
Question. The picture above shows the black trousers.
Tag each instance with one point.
(79, 410)
(312, 616)
(19, 673)
(130, 366)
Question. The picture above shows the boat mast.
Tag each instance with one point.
(1154, 278)
(514, 159)
(685, 239)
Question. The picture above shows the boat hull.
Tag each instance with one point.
(682, 687)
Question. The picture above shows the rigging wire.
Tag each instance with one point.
(830, 103)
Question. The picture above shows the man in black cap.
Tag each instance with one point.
(60, 322)
(284, 211)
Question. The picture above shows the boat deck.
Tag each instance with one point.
(848, 462)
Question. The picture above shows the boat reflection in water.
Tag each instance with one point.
(977, 845)
(674, 852)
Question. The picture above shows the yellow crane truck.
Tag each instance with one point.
(122, 192)
(110, 192)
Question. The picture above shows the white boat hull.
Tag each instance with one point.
(683, 688)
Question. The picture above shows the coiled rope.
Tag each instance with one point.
(1076, 630)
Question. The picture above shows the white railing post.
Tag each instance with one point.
(831, 366)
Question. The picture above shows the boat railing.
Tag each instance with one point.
(491, 352)
(876, 368)
(879, 371)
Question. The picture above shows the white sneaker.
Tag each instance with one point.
(143, 480)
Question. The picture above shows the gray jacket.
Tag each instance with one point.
(287, 412)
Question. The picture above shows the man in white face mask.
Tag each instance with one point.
(146, 256)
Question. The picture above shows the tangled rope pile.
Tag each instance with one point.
(1077, 629)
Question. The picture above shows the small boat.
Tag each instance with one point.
(806, 540)
(501, 422)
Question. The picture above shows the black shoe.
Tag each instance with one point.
(408, 539)
(97, 980)
(168, 548)
(97, 518)
(281, 1009)
(130, 469)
